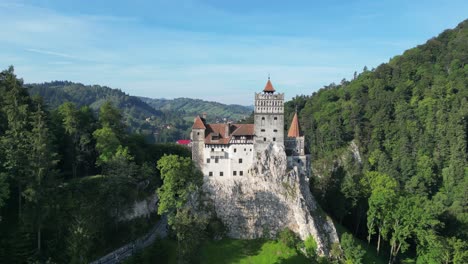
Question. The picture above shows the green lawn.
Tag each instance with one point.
(225, 251)
(249, 251)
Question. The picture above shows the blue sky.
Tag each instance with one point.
(212, 49)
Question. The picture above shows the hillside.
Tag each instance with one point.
(160, 120)
(138, 116)
(393, 139)
(192, 107)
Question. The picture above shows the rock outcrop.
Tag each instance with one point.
(141, 208)
(269, 198)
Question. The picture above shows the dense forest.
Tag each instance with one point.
(156, 125)
(67, 176)
(389, 151)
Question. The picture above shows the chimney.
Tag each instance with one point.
(204, 115)
(226, 131)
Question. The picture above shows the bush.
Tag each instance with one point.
(288, 237)
(310, 247)
(353, 252)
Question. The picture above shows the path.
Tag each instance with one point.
(120, 254)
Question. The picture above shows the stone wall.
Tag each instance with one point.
(269, 199)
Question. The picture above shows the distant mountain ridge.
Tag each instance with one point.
(56, 93)
(162, 119)
(192, 107)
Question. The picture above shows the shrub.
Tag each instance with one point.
(353, 252)
(288, 237)
(310, 247)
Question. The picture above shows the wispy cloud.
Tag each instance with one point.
(191, 48)
(52, 53)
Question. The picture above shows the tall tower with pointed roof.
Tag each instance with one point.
(198, 140)
(295, 147)
(268, 117)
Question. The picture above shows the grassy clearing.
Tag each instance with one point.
(249, 251)
(225, 251)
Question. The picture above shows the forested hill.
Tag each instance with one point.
(160, 120)
(409, 121)
(192, 107)
(56, 93)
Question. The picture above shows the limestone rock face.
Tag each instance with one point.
(268, 199)
(141, 208)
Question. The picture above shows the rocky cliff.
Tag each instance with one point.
(269, 199)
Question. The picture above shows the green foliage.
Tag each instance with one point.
(107, 144)
(406, 119)
(288, 237)
(310, 247)
(180, 180)
(353, 252)
(179, 200)
(51, 209)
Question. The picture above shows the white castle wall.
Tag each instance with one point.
(228, 160)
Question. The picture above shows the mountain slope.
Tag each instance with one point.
(192, 107)
(139, 116)
(407, 119)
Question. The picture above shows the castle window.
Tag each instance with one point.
(275, 130)
(207, 160)
(274, 139)
(263, 118)
(216, 160)
(221, 173)
(241, 173)
(240, 160)
(250, 149)
(222, 149)
(212, 149)
(245, 149)
(234, 173)
(264, 139)
(275, 118)
(198, 133)
(210, 173)
(263, 130)
(235, 150)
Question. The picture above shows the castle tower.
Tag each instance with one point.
(295, 141)
(268, 118)
(295, 148)
(198, 140)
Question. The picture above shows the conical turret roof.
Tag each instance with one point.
(269, 87)
(198, 123)
(294, 129)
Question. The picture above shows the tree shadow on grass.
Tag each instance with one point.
(296, 259)
(230, 250)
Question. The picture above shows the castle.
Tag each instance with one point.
(225, 151)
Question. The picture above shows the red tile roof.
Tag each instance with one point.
(269, 87)
(244, 130)
(217, 134)
(294, 130)
(198, 123)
